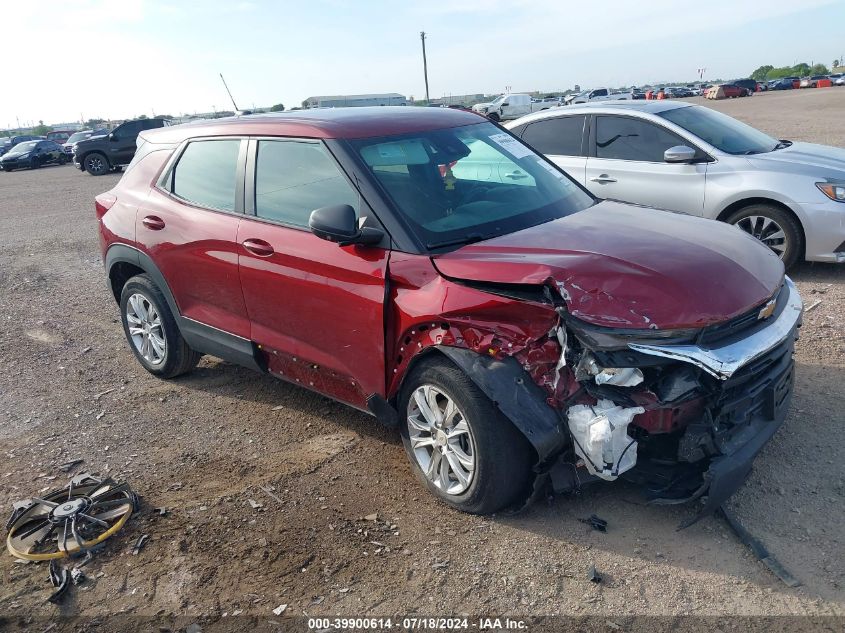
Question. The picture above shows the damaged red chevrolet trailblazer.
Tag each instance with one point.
(428, 267)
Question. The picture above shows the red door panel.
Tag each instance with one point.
(316, 308)
(196, 252)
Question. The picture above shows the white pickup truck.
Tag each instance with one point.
(596, 94)
(511, 106)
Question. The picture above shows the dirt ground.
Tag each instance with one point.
(206, 444)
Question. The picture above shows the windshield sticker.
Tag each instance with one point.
(511, 145)
(554, 172)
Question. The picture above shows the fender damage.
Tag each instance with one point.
(681, 411)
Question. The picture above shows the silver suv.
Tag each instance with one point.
(692, 159)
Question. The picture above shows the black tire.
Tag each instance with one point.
(793, 240)
(33, 163)
(62, 160)
(96, 164)
(178, 357)
(493, 116)
(502, 476)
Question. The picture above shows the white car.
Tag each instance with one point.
(511, 106)
(597, 94)
(692, 159)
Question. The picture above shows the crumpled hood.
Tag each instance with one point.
(815, 160)
(625, 266)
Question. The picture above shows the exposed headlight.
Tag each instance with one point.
(832, 191)
(603, 338)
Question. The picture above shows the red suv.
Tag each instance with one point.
(427, 266)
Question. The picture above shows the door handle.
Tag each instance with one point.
(603, 178)
(258, 247)
(153, 222)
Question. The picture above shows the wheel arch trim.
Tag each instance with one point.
(792, 209)
(199, 336)
(514, 393)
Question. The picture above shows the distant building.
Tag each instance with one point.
(355, 101)
(463, 100)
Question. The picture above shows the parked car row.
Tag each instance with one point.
(522, 325)
(33, 154)
(8, 142)
(101, 153)
(96, 151)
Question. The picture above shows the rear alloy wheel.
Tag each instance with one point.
(773, 226)
(96, 164)
(152, 331)
(460, 445)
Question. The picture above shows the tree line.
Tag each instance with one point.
(803, 69)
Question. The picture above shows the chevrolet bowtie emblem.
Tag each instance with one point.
(766, 311)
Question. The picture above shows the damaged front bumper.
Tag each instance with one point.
(744, 387)
(724, 359)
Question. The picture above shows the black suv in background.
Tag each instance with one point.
(100, 155)
(750, 85)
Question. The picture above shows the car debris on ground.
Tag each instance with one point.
(72, 522)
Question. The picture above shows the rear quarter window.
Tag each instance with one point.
(205, 173)
(557, 136)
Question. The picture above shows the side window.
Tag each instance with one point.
(206, 173)
(518, 130)
(558, 136)
(125, 130)
(625, 138)
(292, 178)
(601, 92)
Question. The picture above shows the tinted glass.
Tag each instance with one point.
(205, 174)
(293, 178)
(22, 148)
(720, 130)
(558, 136)
(625, 138)
(469, 183)
(78, 136)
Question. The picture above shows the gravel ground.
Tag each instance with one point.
(206, 444)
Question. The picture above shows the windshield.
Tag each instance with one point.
(465, 184)
(78, 136)
(498, 100)
(23, 148)
(721, 131)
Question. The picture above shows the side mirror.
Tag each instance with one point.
(505, 104)
(112, 137)
(339, 224)
(679, 154)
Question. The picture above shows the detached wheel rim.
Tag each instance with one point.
(145, 329)
(441, 440)
(767, 231)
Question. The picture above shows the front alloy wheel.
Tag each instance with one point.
(145, 329)
(441, 440)
(461, 447)
(774, 227)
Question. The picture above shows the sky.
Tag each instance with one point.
(67, 60)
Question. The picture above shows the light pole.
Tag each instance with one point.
(425, 65)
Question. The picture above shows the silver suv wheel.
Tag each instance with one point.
(441, 440)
